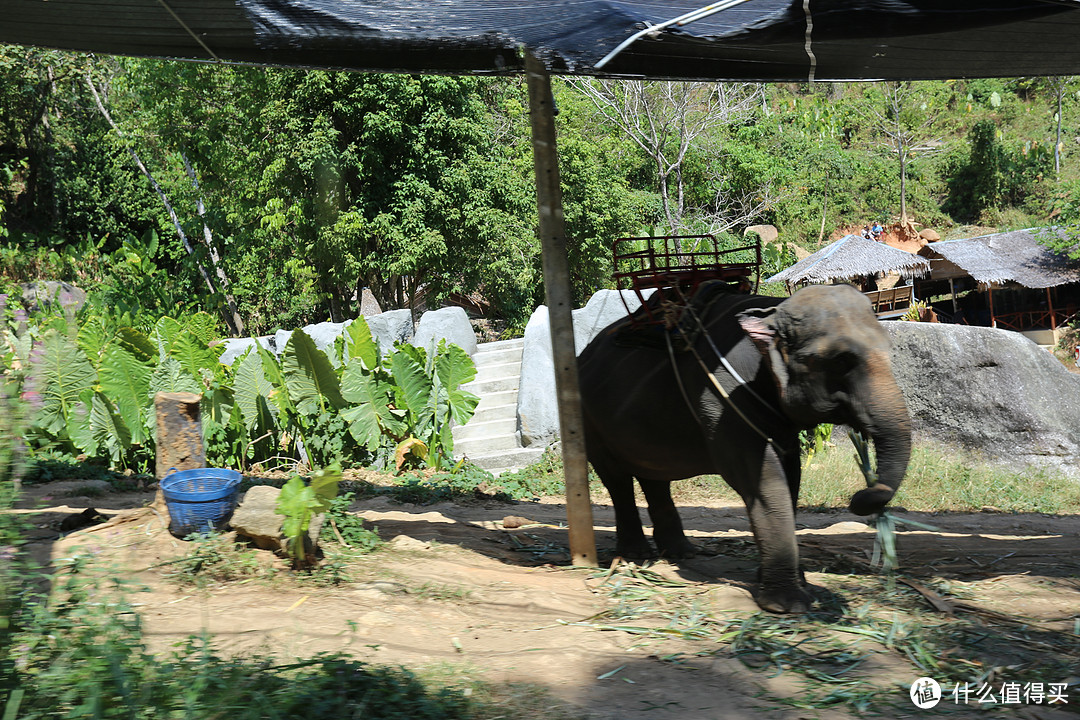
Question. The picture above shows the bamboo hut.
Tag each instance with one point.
(861, 262)
(1012, 280)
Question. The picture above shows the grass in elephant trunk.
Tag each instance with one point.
(861, 652)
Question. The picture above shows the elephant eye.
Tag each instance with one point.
(843, 362)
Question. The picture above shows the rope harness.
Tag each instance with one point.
(669, 308)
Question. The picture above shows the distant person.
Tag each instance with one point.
(866, 232)
(876, 231)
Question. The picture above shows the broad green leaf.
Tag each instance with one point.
(108, 428)
(272, 370)
(455, 368)
(166, 330)
(194, 356)
(359, 343)
(169, 376)
(371, 414)
(203, 326)
(312, 383)
(65, 374)
(138, 344)
(79, 429)
(126, 383)
(94, 335)
(407, 366)
(324, 484)
(252, 390)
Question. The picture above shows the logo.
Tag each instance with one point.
(925, 693)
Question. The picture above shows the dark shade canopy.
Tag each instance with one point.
(765, 40)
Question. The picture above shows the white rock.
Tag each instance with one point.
(450, 323)
(538, 410)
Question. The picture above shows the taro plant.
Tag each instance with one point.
(93, 387)
(300, 502)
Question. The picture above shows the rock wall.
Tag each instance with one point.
(990, 390)
(538, 410)
(387, 328)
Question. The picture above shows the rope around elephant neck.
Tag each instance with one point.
(716, 384)
(727, 366)
(678, 380)
(731, 404)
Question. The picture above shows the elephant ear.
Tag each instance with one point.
(758, 323)
(760, 326)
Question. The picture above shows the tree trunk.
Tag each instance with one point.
(903, 187)
(1057, 141)
(208, 240)
(160, 192)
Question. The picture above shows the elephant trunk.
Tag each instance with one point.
(889, 424)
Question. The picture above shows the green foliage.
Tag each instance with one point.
(91, 387)
(299, 502)
(992, 174)
(214, 558)
(348, 528)
(812, 442)
(85, 655)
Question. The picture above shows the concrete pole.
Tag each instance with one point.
(557, 286)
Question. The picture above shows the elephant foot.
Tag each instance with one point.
(675, 549)
(636, 550)
(784, 600)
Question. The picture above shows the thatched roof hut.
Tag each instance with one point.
(850, 258)
(1009, 257)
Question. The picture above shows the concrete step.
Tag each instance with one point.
(490, 387)
(497, 371)
(505, 397)
(486, 444)
(483, 360)
(513, 344)
(484, 428)
(506, 413)
(498, 462)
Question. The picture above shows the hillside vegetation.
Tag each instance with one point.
(271, 198)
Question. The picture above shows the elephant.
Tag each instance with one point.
(655, 413)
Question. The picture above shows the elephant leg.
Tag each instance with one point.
(772, 518)
(667, 526)
(630, 540)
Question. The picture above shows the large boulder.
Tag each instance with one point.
(325, 333)
(767, 233)
(236, 347)
(538, 410)
(989, 390)
(256, 519)
(41, 294)
(391, 326)
(450, 323)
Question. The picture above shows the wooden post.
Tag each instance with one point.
(557, 287)
(1053, 320)
(990, 297)
(952, 289)
(179, 433)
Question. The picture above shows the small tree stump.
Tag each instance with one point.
(179, 433)
(180, 443)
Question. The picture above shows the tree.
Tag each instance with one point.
(903, 115)
(668, 121)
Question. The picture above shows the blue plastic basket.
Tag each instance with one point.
(200, 500)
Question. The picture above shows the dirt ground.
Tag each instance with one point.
(456, 588)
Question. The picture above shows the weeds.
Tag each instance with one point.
(215, 558)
